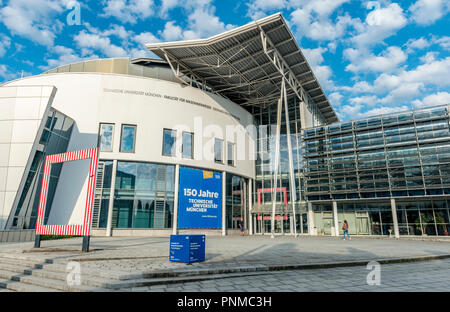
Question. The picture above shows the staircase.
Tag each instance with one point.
(22, 274)
(26, 273)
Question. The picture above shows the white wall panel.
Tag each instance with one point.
(7, 108)
(20, 117)
(14, 176)
(27, 108)
(6, 127)
(4, 154)
(24, 131)
(19, 153)
(3, 174)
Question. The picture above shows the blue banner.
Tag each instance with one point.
(199, 199)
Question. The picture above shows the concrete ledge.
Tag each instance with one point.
(15, 236)
(271, 268)
(182, 276)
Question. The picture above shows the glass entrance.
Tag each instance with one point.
(362, 224)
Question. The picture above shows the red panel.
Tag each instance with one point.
(85, 228)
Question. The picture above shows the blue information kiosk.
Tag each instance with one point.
(187, 248)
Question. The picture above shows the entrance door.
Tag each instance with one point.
(327, 219)
(362, 223)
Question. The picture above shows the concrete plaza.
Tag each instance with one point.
(142, 263)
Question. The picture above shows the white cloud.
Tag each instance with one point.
(426, 12)
(314, 56)
(312, 20)
(171, 32)
(5, 43)
(322, 72)
(144, 38)
(65, 56)
(418, 44)
(35, 20)
(202, 23)
(430, 57)
(433, 100)
(404, 92)
(128, 11)
(444, 42)
(5, 73)
(118, 31)
(98, 42)
(383, 110)
(368, 100)
(387, 61)
(436, 73)
(258, 8)
(380, 24)
(359, 110)
(335, 98)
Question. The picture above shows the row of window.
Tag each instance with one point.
(187, 146)
(128, 140)
(378, 121)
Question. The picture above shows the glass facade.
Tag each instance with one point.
(236, 201)
(266, 119)
(398, 155)
(102, 194)
(362, 164)
(54, 139)
(143, 195)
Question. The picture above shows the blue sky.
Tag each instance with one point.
(370, 57)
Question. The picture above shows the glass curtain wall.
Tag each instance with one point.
(399, 155)
(143, 195)
(236, 201)
(102, 193)
(424, 217)
(266, 119)
(54, 139)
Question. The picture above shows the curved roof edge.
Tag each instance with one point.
(227, 63)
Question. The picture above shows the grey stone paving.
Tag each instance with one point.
(401, 277)
(137, 255)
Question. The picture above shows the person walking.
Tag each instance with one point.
(241, 226)
(345, 229)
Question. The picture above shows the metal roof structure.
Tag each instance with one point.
(246, 65)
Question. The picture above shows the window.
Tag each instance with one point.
(169, 137)
(106, 137)
(188, 145)
(230, 151)
(218, 154)
(128, 138)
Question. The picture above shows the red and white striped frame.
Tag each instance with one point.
(85, 228)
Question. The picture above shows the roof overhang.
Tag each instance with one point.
(246, 65)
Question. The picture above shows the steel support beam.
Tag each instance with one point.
(291, 162)
(276, 163)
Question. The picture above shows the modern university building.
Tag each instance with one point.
(189, 143)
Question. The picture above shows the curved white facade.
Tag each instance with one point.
(151, 105)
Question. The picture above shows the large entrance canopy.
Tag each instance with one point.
(246, 65)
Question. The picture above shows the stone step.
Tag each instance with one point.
(45, 282)
(8, 285)
(123, 285)
(60, 267)
(61, 276)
